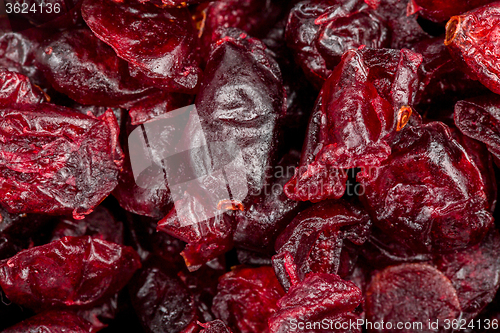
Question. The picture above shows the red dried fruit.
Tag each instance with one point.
(319, 32)
(429, 194)
(266, 215)
(359, 111)
(215, 326)
(79, 65)
(155, 105)
(440, 79)
(472, 41)
(255, 17)
(247, 298)
(52, 322)
(161, 300)
(159, 43)
(98, 224)
(72, 272)
(56, 160)
(475, 273)
(410, 293)
(479, 118)
(319, 298)
(102, 314)
(16, 88)
(242, 111)
(313, 241)
(442, 10)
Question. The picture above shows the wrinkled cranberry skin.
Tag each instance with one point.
(411, 293)
(442, 10)
(215, 326)
(319, 32)
(320, 296)
(479, 119)
(484, 162)
(471, 39)
(427, 172)
(72, 272)
(79, 65)
(98, 224)
(246, 298)
(313, 241)
(77, 159)
(440, 79)
(155, 105)
(161, 300)
(52, 322)
(16, 88)
(358, 113)
(260, 223)
(255, 17)
(159, 44)
(474, 272)
(154, 202)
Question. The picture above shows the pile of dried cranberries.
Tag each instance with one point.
(334, 168)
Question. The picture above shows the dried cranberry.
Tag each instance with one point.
(98, 224)
(479, 118)
(52, 322)
(155, 105)
(410, 293)
(79, 65)
(313, 241)
(159, 43)
(322, 298)
(441, 10)
(161, 300)
(429, 194)
(361, 107)
(56, 160)
(474, 272)
(471, 40)
(247, 298)
(72, 272)
(16, 88)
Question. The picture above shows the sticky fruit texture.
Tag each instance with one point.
(159, 43)
(314, 240)
(161, 300)
(319, 32)
(72, 272)
(411, 293)
(255, 17)
(154, 201)
(156, 104)
(439, 11)
(440, 79)
(479, 119)
(320, 297)
(480, 155)
(362, 106)
(16, 88)
(98, 224)
(56, 160)
(429, 194)
(381, 250)
(474, 272)
(52, 322)
(79, 65)
(247, 298)
(17, 53)
(259, 224)
(215, 326)
(472, 40)
(241, 102)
